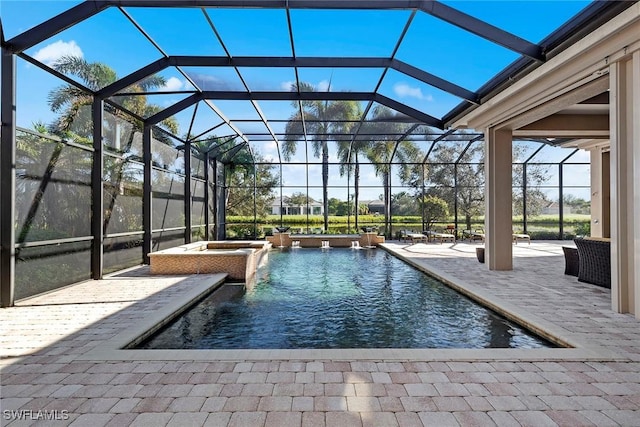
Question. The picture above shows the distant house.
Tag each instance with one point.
(553, 208)
(288, 208)
(375, 206)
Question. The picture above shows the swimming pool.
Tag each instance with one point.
(340, 298)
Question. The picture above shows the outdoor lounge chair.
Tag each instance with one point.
(417, 238)
(520, 236)
(441, 237)
(473, 235)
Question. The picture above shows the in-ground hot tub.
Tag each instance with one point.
(239, 259)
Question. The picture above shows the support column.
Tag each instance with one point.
(218, 189)
(97, 199)
(7, 179)
(498, 199)
(255, 183)
(606, 193)
(455, 195)
(146, 194)
(624, 119)
(561, 201)
(600, 193)
(221, 197)
(216, 224)
(207, 200)
(187, 192)
(524, 197)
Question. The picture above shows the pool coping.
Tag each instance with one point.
(115, 348)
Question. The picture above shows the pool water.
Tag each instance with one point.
(340, 298)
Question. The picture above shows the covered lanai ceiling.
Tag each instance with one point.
(245, 68)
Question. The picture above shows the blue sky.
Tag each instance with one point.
(430, 44)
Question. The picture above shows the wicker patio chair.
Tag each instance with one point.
(571, 261)
(594, 261)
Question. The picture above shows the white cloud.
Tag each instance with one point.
(287, 85)
(404, 90)
(314, 170)
(270, 147)
(371, 176)
(54, 51)
(581, 156)
(323, 86)
(173, 83)
(209, 82)
(187, 85)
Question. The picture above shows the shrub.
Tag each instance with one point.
(544, 235)
(582, 229)
(434, 209)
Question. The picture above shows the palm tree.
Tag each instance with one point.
(73, 104)
(349, 153)
(317, 117)
(382, 149)
(51, 187)
(75, 119)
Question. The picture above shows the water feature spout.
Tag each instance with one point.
(367, 231)
(281, 231)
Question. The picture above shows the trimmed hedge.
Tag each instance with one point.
(543, 227)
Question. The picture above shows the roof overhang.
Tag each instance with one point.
(566, 96)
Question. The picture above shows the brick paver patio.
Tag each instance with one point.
(49, 370)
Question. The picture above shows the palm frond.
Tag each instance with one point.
(94, 75)
(62, 96)
(152, 82)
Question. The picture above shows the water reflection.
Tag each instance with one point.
(499, 332)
